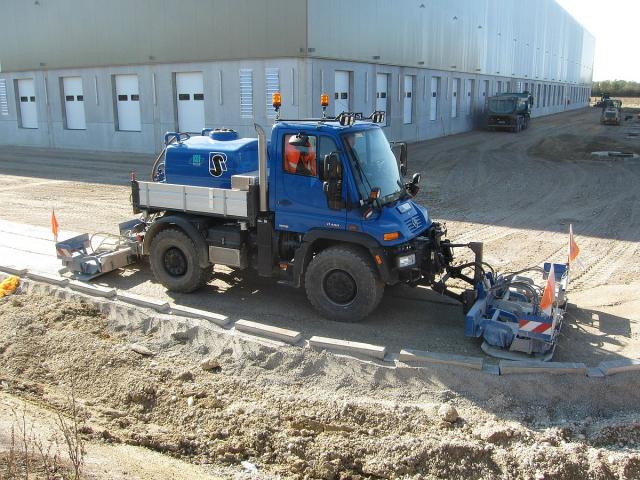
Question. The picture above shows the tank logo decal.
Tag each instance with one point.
(196, 160)
(217, 163)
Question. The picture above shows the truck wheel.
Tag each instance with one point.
(343, 284)
(175, 262)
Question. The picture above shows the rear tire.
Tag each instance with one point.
(175, 262)
(343, 284)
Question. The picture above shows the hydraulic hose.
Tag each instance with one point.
(157, 161)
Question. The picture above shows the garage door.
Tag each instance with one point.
(454, 97)
(74, 103)
(341, 94)
(27, 97)
(433, 107)
(190, 101)
(408, 99)
(468, 99)
(128, 103)
(484, 94)
(382, 85)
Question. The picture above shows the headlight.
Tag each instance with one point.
(407, 260)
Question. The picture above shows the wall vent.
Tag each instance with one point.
(4, 104)
(246, 93)
(272, 84)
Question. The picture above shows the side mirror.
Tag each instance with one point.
(413, 187)
(331, 167)
(332, 176)
(403, 159)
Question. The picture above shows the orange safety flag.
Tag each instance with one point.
(54, 225)
(574, 250)
(549, 294)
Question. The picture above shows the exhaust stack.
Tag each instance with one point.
(262, 167)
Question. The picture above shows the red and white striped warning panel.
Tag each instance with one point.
(536, 327)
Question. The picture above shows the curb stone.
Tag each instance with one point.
(374, 351)
(595, 372)
(20, 272)
(409, 355)
(141, 301)
(96, 290)
(611, 367)
(288, 336)
(48, 278)
(532, 366)
(218, 319)
(491, 369)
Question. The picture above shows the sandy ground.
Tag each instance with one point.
(304, 414)
(294, 413)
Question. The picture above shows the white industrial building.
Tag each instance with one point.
(117, 75)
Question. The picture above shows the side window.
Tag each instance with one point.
(302, 159)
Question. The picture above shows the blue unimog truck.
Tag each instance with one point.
(321, 205)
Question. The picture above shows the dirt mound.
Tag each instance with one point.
(223, 417)
(575, 147)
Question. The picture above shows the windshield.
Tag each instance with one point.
(502, 105)
(374, 164)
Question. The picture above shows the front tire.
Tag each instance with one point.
(343, 284)
(175, 262)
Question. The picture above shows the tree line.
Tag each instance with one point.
(616, 88)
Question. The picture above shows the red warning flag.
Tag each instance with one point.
(549, 294)
(54, 225)
(574, 250)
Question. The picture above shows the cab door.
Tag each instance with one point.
(301, 203)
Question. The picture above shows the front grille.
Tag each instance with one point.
(415, 224)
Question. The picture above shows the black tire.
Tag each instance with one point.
(175, 262)
(350, 268)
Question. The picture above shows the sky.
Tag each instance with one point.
(615, 24)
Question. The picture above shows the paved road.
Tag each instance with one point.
(517, 193)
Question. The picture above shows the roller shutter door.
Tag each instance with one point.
(74, 103)
(190, 101)
(128, 103)
(454, 97)
(408, 99)
(341, 94)
(27, 100)
(433, 107)
(382, 87)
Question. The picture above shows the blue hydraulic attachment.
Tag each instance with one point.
(507, 315)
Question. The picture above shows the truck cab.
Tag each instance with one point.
(366, 179)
